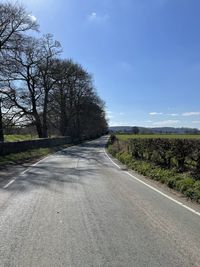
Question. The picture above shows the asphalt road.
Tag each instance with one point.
(76, 208)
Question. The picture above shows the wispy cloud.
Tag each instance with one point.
(196, 113)
(94, 17)
(167, 123)
(121, 123)
(196, 122)
(161, 113)
(155, 113)
(173, 114)
(109, 112)
(114, 118)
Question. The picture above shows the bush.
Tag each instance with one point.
(184, 184)
(112, 139)
(163, 160)
(164, 152)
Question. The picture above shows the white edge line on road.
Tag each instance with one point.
(28, 169)
(154, 189)
(35, 164)
(7, 185)
(25, 171)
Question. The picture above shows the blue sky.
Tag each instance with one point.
(144, 54)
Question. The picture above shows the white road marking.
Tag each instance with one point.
(28, 169)
(112, 160)
(35, 164)
(154, 189)
(7, 185)
(24, 172)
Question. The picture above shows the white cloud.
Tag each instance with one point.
(111, 113)
(196, 122)
(173, 114)
(32, 17)
(155, 113)
(94, 17)
(191, 113)
(167, 123)
(120, 123)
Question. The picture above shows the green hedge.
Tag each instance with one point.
(180, 154)
(174, 162)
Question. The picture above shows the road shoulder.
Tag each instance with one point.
(177, 196)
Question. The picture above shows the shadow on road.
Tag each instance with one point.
(70, 166)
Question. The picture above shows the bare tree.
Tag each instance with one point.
(14, 21)
(49, 49)
(1, 123)
(28, 80)
(40, 89)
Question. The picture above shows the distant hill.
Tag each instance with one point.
(121, 129)
(156, 130)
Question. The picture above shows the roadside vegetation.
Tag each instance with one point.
(175, 136)
(172, 161)
(18, 137)
(29, 155)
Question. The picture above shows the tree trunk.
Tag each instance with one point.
(38, 125)
(44, 128)
(1, 124)
(39, 129)
(63, 115)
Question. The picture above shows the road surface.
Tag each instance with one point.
(76, 208)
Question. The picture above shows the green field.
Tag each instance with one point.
(18, 137)
(183, 136)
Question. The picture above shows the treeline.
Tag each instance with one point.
(38, 88)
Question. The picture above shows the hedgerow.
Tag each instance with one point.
(174, 162)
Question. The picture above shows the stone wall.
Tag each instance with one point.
(20, 146)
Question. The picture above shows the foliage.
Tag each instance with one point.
(180, 154)
(29, 155)
(174, 162)
(176, 136)
(135, 130)
(18, 137)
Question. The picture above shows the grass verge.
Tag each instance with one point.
(183, 183)
(29, 155)
(19, 137)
